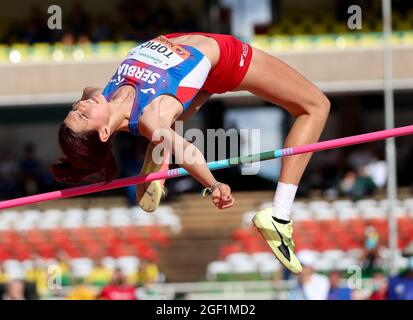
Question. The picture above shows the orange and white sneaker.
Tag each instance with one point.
(148, 195)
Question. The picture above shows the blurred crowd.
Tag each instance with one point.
(351, 284)
(104, 283)
(131, 21)
(337, 285)
(41, 280)
(24, 175)
(356, 174)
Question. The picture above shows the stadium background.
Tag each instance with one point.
(103, 246)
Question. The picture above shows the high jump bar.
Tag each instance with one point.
(215, 165)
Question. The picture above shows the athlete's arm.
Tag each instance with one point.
(158, 130)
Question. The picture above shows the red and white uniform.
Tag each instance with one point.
(234, 61)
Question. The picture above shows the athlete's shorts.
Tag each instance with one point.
(234, 61)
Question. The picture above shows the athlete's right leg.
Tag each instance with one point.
(148, 195)
(278, 83)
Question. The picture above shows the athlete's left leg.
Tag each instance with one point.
(278, 83)
(148, 195)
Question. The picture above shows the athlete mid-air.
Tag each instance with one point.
(169, 78)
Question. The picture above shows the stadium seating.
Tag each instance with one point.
(120, 237)
(80, 267)
(334, 230)
(280, 41)
(97, 231)
(317, 24)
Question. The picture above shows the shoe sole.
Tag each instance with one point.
(148, 195)
(270, 238)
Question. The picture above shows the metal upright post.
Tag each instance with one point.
(390, 143)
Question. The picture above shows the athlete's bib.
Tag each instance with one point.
(159, 67)
(159, 52)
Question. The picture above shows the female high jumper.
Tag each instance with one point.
(169, 78)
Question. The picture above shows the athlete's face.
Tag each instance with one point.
(90, 114)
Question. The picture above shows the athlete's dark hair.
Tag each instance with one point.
(86, 157)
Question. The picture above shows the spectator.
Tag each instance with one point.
(376, 169)
(357, 185)
(81, 291)
(64, 266)
(83, 39)
(8, 176)
(311, 286)
(30, 168)
(4, 277)
(118, 289)
(38, 275)
(14, 290)
(68, 39)
(379, 287)
(401, 286)
(370, 258)
(100, 275)
(348, 182)
(365, 185)
(338, 291)
(148, 273)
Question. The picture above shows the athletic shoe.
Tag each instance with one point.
(279, 238)
(148, 195)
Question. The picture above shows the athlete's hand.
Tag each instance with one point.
(222, 197)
